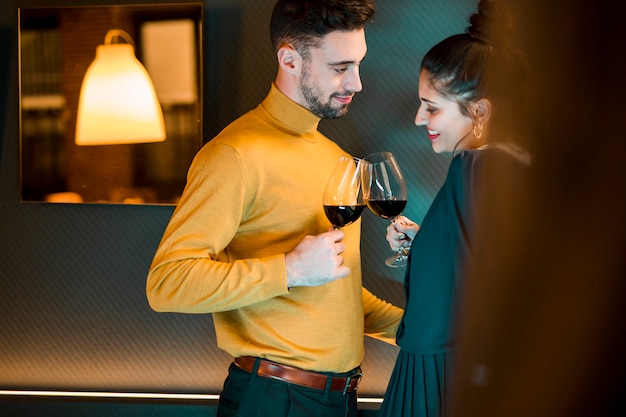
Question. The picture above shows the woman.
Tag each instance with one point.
(460, 98)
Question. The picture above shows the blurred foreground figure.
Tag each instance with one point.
(543, 331)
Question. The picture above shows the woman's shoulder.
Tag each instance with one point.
(509, 152)
(500, 150)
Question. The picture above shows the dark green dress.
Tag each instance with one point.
(433, 288)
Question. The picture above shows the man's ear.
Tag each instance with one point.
(482, 110)
(288, 58)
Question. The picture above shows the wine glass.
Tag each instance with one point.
(343, 196)
(386, 193)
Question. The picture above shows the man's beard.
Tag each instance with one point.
(312, 95)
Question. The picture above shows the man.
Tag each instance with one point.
(249, 241)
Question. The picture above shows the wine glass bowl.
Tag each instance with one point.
(385, 193)
(343, 196)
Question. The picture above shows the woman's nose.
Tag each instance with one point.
(421, 118)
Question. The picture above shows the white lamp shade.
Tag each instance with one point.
(118, 103)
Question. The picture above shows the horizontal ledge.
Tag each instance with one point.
(135, 395)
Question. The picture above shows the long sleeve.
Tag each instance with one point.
(191, 271)
(381, 318)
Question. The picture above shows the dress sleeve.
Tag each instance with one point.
(464, 179)
(191, 272)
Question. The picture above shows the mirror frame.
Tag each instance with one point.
(133, 174)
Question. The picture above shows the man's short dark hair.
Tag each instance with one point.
(302, 23)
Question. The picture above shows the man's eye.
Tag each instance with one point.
(341, 70)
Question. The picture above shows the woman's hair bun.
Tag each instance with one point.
(490, 23)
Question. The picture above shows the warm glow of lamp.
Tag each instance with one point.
(118, 103)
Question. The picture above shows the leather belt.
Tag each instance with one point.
(300, 377)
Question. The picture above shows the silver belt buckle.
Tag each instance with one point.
(358, 376)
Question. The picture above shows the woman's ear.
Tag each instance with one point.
(288, 58)
(482, 110)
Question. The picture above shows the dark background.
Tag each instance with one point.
(73, 312)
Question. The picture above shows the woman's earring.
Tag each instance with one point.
(478, 126)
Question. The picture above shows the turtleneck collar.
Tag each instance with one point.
(289, 114)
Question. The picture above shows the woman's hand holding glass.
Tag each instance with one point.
(401, 232)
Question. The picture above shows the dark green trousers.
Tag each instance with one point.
(249, 395)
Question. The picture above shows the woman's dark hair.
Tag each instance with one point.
(480, 63)
(302, 23)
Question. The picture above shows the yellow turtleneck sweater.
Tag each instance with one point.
(253, 192)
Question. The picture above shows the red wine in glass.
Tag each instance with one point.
(343, 196)
(387, 209)
(386, 193)
(341, 216)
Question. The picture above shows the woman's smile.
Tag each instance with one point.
(432, 134)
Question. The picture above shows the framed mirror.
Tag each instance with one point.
(57, 46)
